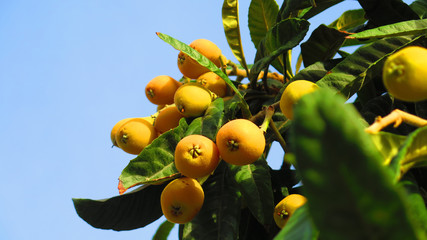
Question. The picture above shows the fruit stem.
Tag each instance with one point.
(396, 117)
(269, 111)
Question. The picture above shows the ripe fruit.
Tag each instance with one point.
(134, 135)
(181, 200)
(214, 83)
(192, 99)
(196, 156)
(160, 90)
(240, 142)
(120, 123)
(191, 68)
(292, 93)
(405, 74)
(167, 119)
(285, 208)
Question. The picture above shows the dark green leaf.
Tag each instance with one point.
(254, 182)
(322, 45)
(299, 226)
(163, 231)
(350, 75)
(384, 12)
(125, 212)
(349, 19)
(420, 7)
(413, 27)
(316, 71)
(261, 18)
(321, 6)
(230, 22)
(219, 216)
(293, 7)
(350, 194)
(416, 206)
(212, 120)
(282, 37)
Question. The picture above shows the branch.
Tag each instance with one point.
(396, 117)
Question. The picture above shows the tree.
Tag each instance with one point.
(363, 178)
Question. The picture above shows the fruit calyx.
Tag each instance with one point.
(232, 145)
(195, 151)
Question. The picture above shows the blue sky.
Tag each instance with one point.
(69, 70)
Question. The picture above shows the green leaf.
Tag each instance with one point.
(299, 226)
(350, 194)
(316, 71)
(420, 7)
(413, 27)
(156, 162)
(388, 144)
(384, 12)
(163, 231)
(261, 18)
(349, 19)
(230, 22)
(292, 7)
(321, 6)
(212, 120)
(350, 75)
(219, 216)
(322, 45)
(129, 211)
(282, 37)
(254, 182)
(415, 205)
(202, 60)
(413, 152)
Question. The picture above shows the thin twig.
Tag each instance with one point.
(396, 117)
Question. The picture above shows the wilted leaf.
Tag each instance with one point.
(350, 194)
(230, 22)
(125, 212)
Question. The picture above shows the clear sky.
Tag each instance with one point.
(69, 70)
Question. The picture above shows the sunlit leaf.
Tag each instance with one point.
(413, 27)
(133, 210)
(220, 214)
(322, 45)
(349, 19)
(254, 183)
(351, 74)
(230, 22)
(261, 18)
(350, 194)
(388, 144)
(413, 152)
(299, 226)
(163, 231)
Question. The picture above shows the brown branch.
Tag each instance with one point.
(396, 117)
